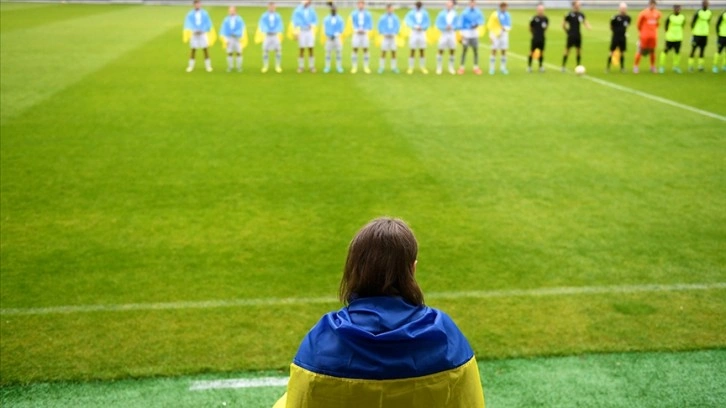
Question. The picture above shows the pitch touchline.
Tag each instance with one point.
(634, 91)
(474, 294)
(239, 383)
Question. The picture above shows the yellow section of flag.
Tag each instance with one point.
(456, 388)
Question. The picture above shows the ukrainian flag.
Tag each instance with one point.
(382, 352)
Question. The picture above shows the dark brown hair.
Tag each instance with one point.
(381, 262)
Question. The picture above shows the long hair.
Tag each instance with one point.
(381, 259)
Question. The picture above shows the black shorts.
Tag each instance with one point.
(721, 42)
(537, 43)
(699, 41)
(673, 45)
(618, 42)
(574, 41)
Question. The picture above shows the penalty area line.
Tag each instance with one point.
(239, 383)
(634, 91)
(475, 294)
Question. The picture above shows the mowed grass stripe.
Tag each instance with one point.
(39, 61)
(480, 294)
(89, 346)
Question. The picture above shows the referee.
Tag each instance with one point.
(571, 25)
(619, 27)
(537, 26)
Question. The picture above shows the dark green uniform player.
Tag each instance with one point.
(700, 28)
(721, 31)
(674, 26)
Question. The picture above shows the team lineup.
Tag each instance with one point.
(449, 29)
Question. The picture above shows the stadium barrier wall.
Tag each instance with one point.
(488, 4)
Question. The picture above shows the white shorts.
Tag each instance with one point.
(389, 43)
(501, 42)
(199, 40)
(417, 41)
(306, 39)
(272, 43)
(361, 41)
(334, 45)
(233, 45)
(447, 41)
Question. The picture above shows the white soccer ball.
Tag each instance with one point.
(580, 70)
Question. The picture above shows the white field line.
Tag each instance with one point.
(239, 383)
(631, 90)
(475, 294)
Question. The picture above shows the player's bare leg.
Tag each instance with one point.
(207, 61)
(422, 61)
(565, 55)
(190, 67)
(301, 61)
(230, 61)
(411, 62)
(239, 62)
(503, 63)
(394, 62)
(492, 62)
(354, 61)
(439, 62)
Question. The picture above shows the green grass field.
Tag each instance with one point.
(215, 202)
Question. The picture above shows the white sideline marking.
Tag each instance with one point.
(632, 91)
(474, 294)
(239, 383)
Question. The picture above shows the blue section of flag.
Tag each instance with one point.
(334, 26)
(205, 23)
(301, 19)
(232, 30)
(471, 18)
(270, 23)
(389, 24)
(411, 21)
(382, 338)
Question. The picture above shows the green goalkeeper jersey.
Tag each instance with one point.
(701, 21)
(674, 27)
(722, 25)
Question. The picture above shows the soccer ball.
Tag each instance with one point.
(580, 70)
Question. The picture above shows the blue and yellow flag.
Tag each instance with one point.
(383, 352)
(198, 20)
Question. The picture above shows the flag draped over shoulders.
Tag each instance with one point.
(269, 24)
(333, 26)
(302, 18)
(199, 21)
(233, 27)
(384, 352)
(389, 25)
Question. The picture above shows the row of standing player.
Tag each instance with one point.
(453, 27)
(648, 23)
